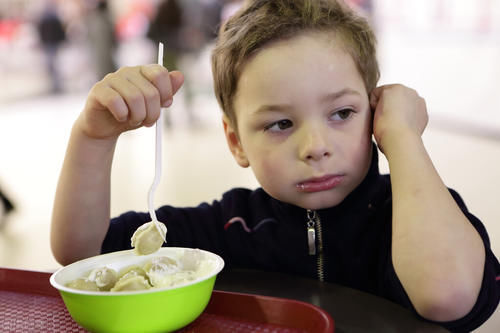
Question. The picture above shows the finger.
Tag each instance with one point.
(159, 77)
(132, 96)
(176, 79)
(111, 100)
(426, 114)
(375, 96)
(151, 97)
(377, 93)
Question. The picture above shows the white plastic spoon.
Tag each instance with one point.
(149, 237)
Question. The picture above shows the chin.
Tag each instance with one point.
(317, 202)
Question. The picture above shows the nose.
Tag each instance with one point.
(314, 145)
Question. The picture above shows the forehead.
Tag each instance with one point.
(305, 66)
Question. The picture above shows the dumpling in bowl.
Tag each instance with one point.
(161, 264)
(133, 270)
(191, 259)
(195, 260)
(83, 284)
(165, 272)
(131, 283)
(104, 277)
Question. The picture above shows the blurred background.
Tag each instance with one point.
(52, 52)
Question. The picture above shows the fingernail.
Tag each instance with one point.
(167, 103)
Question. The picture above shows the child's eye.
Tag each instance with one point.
(279, 125)
(341, 115)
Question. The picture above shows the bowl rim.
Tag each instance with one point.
(62, 288)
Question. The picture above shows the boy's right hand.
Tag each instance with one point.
(128, 99)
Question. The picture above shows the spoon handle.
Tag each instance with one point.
(158, 155)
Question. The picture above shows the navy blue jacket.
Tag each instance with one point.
(250, 229)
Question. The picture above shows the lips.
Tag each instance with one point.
(318, 184)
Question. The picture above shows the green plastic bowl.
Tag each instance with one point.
(153, 310)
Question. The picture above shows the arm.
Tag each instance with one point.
(436, 252)
(122, 101)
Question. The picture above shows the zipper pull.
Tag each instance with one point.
(311, 231)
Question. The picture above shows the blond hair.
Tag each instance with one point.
(261, 22)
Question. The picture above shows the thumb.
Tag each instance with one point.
(176, 79)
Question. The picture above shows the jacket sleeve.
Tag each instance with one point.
(489, 295)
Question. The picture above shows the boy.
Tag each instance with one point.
(297, 84)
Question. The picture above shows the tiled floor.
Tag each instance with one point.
(197, 167)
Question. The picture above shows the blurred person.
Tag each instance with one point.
(134, 22)
(52, 34)
(101, 35)
(211, 18)
(6, 207)
(363, 7)
(229, 8)
(8, 28)
(177, 24)
(166, 27)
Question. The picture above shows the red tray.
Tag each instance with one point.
(28, 303)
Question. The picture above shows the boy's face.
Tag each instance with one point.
(304, 121)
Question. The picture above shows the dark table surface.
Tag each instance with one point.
(352, 310)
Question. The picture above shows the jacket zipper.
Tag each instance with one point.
(314, 233)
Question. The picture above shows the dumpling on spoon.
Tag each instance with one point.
(148, 239)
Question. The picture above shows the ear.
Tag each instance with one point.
(234, 143)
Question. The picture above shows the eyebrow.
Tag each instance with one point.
(335, 95)
(328, 98)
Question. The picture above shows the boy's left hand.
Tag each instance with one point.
(398, 111)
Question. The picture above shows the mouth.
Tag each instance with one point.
(319, 184)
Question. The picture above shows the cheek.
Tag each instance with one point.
(362, 156)
(361, 144)
(268, 167)
(363, 149)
